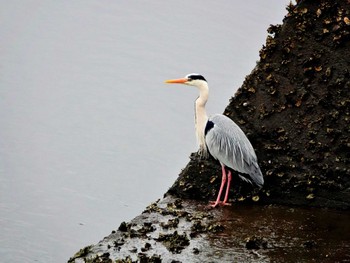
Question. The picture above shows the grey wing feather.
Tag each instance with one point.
(227, 143)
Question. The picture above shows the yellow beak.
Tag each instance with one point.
(179, 81)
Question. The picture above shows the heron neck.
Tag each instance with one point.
(201, 117)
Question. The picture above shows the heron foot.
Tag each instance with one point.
(220, 203)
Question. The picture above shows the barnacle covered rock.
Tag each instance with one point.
(295, 109)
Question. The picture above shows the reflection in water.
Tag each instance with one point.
(292, 234)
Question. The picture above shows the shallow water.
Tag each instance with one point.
(292, 234)
(89, 135)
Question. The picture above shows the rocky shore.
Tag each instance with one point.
(295, 109)
(173, 230)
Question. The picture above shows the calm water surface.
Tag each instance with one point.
(89, 134)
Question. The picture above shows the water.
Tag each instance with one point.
(291, 234)
(89, 134)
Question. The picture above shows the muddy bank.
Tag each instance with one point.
(295, 109)
(173, 230)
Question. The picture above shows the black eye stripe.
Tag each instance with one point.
(193, 77)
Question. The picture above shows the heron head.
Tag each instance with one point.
(192, 79)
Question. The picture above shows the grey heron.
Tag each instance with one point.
(223, 139)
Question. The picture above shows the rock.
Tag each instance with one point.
(295, 109)
(174, 242)
(123, 227)
(256, 243)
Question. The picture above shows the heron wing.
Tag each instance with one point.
(227, 143)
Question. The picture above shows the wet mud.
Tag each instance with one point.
(172, 230)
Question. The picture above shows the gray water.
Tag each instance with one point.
(89, 134)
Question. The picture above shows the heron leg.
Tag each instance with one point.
(229, 177)
(223, 182)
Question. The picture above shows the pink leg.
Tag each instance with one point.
(227, 188)
(223, 181)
